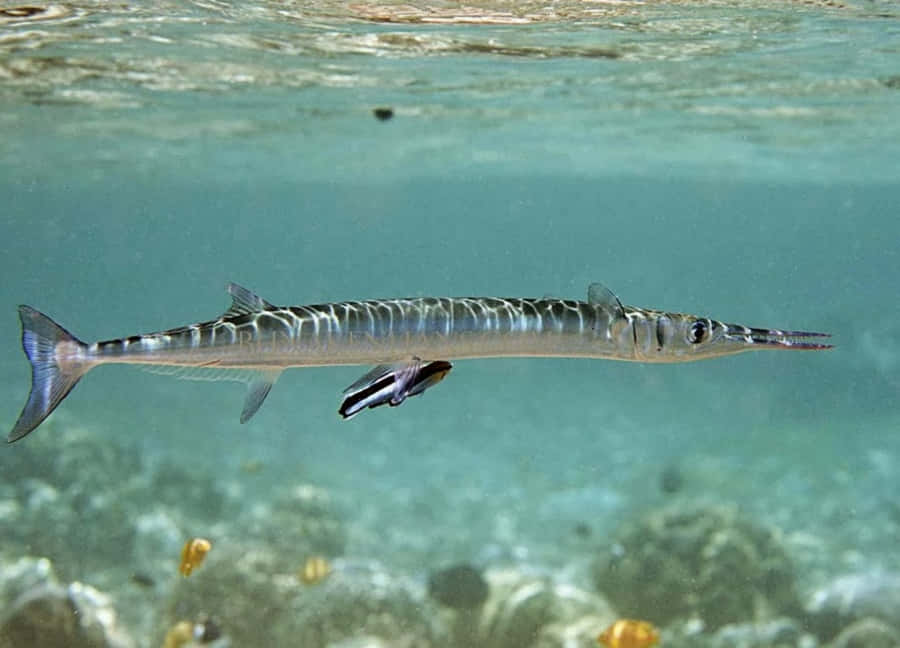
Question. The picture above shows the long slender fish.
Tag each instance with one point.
(411, 341)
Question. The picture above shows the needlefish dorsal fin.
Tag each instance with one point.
(244, 301)
(391, 384)
(600, 295)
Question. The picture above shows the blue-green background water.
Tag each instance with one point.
(737, 161)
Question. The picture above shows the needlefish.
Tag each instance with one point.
(411, 341)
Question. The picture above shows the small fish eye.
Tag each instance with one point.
(698, 331)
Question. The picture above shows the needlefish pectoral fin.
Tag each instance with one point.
(259, 383)
(258, 387)
(391, 384)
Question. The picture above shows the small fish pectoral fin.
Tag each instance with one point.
(244, 301)
(257, 390)
(600, 295)
(391, 384)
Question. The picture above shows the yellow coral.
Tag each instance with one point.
(314, 570)
(192, 554)
(178, 635)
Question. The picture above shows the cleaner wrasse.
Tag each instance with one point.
(411, 341)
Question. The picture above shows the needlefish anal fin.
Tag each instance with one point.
(244, 301)
(391, 384)
(257, 389)
(600, 295)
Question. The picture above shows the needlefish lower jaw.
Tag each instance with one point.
(411, 341)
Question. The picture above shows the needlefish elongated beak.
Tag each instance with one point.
(797, 340)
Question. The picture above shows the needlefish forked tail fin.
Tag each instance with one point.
(57, 364)
(410, 341)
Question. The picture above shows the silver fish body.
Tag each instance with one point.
(410, 340)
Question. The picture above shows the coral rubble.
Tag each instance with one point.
(704, 562)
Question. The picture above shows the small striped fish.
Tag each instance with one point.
(411, 341)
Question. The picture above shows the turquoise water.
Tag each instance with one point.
(735, 160)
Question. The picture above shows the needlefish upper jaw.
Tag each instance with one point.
(775, 338)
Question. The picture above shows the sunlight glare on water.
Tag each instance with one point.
(764, 88)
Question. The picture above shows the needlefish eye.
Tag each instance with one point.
(698, 332)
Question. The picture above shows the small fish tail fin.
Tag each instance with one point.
(58, 361)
